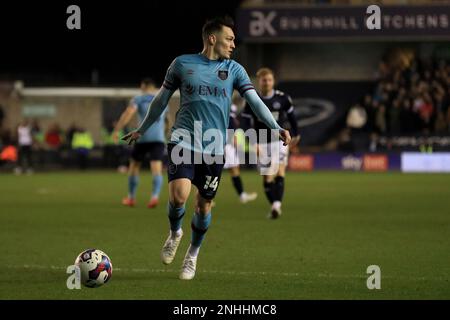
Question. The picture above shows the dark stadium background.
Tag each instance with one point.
(122, 41)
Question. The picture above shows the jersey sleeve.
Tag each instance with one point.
(172, 79)
(289, 105)
(242, 81)
(134, 102)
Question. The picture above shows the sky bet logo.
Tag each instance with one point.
(205, 90)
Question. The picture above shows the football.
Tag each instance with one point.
(95, 268)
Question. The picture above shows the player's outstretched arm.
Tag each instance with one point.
(124, 119)
(157, 106)
(264, 114)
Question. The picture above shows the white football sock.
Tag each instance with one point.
(175, 234)
(276, 205)
(193, 251)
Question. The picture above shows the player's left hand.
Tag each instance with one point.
(294, 147)
(115, 137)
(131, 137)
(295, 140)
(285, 136)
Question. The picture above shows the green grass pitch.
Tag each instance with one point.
(334, 225)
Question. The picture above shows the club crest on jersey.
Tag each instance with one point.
(189, 89)
(223, 74)
(276, 105)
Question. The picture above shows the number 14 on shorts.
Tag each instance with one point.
(211, 183)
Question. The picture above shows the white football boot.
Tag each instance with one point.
(246, 197)
(170, 248)
(188, 267)
(275, 212)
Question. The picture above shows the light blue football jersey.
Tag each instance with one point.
(156, 131)
(206, 89)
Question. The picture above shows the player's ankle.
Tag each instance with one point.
(193, 251)
(276, 205)
(176, 234)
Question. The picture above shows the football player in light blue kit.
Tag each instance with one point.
(206, 82)
(152, 142)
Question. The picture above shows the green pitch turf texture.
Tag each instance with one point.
(334, 225)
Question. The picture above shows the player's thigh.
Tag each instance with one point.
(134, 167)
(156, 167)
(179, 190)
(281, 170)
(180, 176)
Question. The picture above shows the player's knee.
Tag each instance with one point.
(134, 168)
(204, 209)
(178, 199)
(204, 206)
(178, 202)
(156, 167)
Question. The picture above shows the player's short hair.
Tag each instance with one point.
(147, 82)
(215, 25)
(264, 72)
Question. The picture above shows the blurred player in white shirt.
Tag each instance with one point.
(25, 144)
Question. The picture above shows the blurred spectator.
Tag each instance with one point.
(448, 120)
(25, 143)
(410, 96)
(82, 143)
(109, 158)
(110, 149)
(394, 118)
(407, 118)
(440, 126)
(38, 141)
(114, 155)
(380, 120)
(69, 134)
(36, 132)
(54, 139)
(8, 152)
